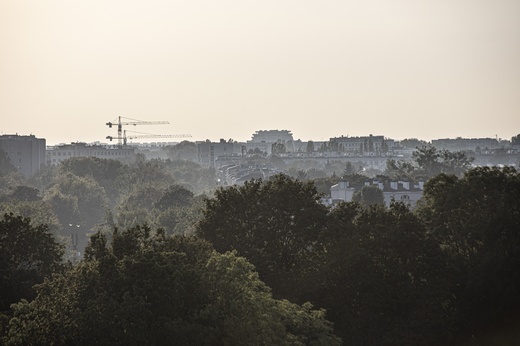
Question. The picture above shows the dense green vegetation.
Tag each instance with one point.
(169, 260)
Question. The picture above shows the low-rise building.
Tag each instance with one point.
(399, 191)
(58, 153)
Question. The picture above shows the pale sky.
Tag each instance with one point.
(226, 68)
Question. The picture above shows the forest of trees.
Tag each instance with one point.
(167, 258)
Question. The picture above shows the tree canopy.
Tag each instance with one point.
(28, 254)
(274, 224)
(148, 288)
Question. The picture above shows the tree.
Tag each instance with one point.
(104, 171)
(350, 169)
(174, 196)
(278, 148)
(274, 224)
(515, 140)
(39, 212)
(185, 150)
(90, 195)
(6, 167)
(310, 147)
(381, 279)
(148, 288)
(28, 254)
(432, 162)
(369, 195)
(413, 143)
(476, 219)
(145, 172)
(399, 170)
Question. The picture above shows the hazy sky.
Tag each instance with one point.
(226, 68)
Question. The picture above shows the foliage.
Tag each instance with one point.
(21, 193)
(310, 147)
(6, 166)
(104, 171)
(8, 180)
(432, 161)
(274, 224)
(476, 219)
(191, 175)
(399, 170)
(350, 169)
(278, 148)
(39, 212)
(27, 254)
(369, 195)
(381, 278)
(412, 143)
(174, 196)
(145, 172)
(185, 150)
(91, 197)
(148, 288)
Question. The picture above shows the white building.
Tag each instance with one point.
(58, 153)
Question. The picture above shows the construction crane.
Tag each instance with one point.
(144, 135)
(133, 122)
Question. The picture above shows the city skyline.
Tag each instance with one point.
(402, 69)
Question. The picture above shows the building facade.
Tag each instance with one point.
(26, 153)
(59, 153)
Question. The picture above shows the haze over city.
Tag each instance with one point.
(425, 69)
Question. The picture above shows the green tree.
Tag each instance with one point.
(413, 143)
(28, 254)
(278, 148)
(185, 150)
(105, 172)
(191, 175)
(381, 280)
(432, 161)
(274, 224)
(174, 196)
(476, 219)
(91, 197)
(136, 207)
(399, 170)
(369, 195)
(39, 212)
(148, 288)
(350, 169)
(145, 172)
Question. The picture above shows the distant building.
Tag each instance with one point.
(399, 191)
(209, 152)
(26, 153)
(342, 192)
(459, 144)
(271, 136)
(262, 141)
(59, 153)
(364, 145)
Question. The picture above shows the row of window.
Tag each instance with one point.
(99, 153)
